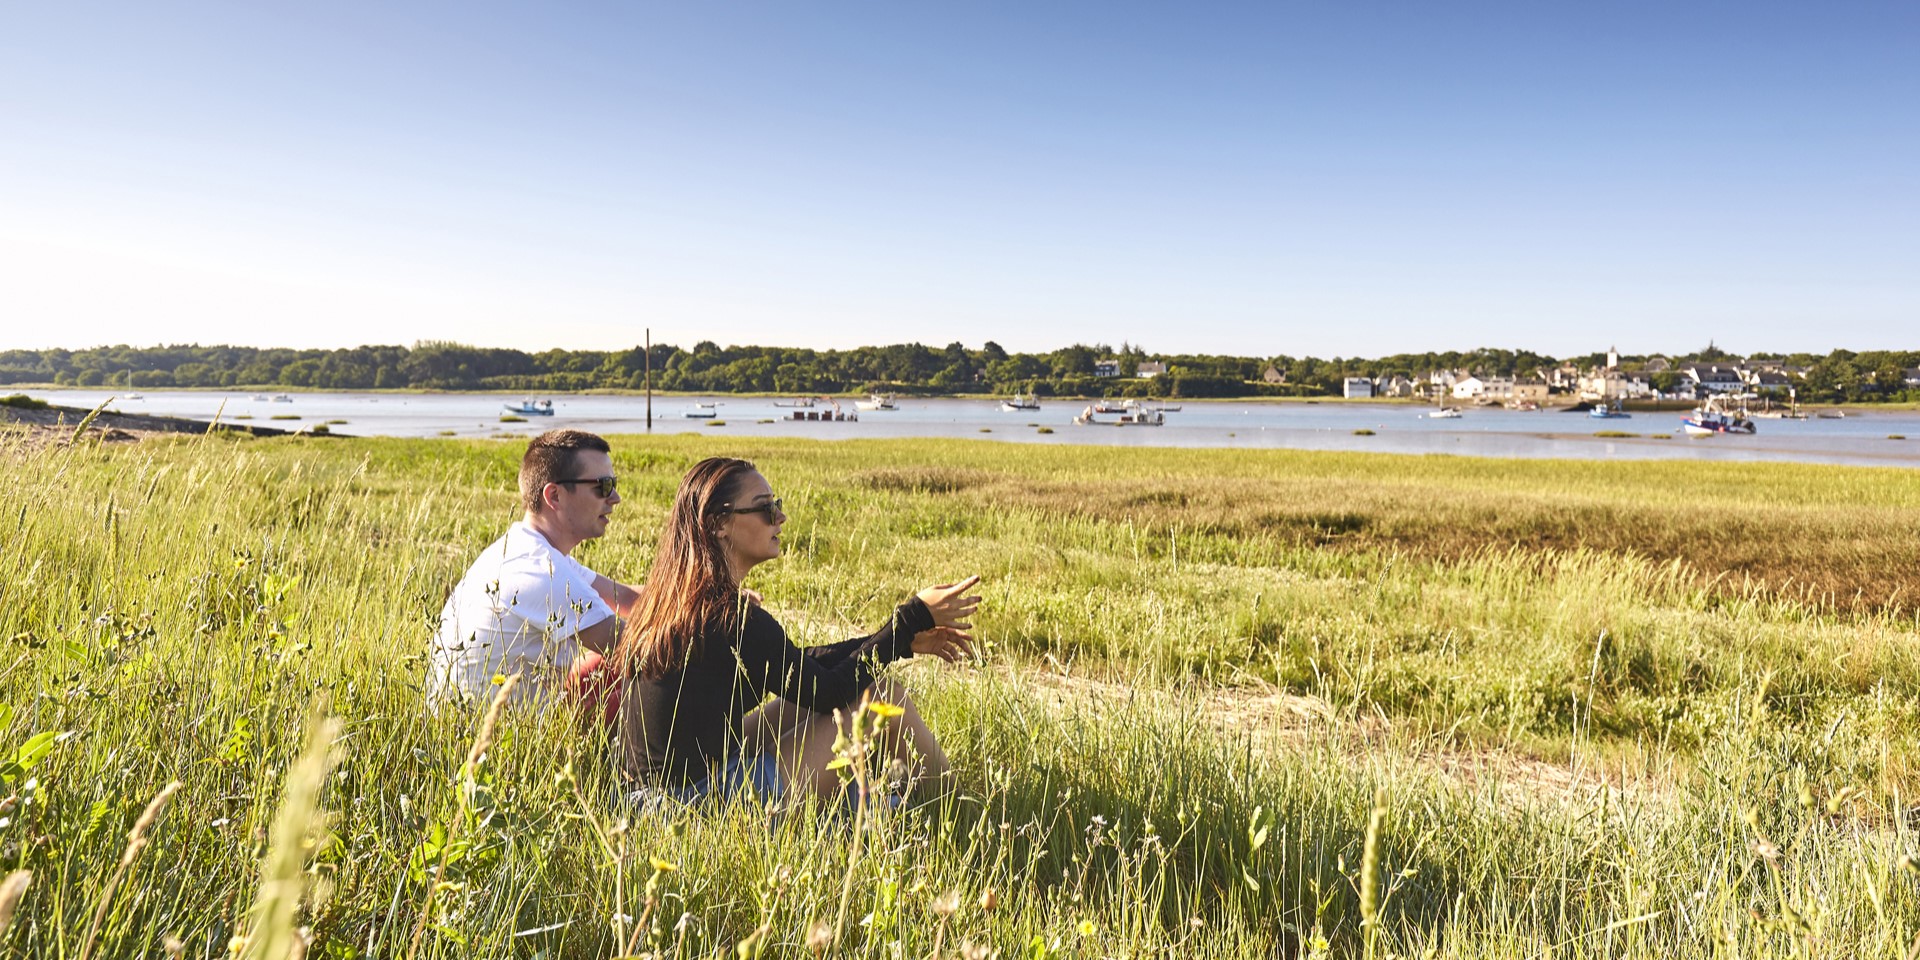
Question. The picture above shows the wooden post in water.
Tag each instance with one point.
(647, 360)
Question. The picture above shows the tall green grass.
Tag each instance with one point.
(1731, 756)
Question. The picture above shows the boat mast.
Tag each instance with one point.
(647, 361)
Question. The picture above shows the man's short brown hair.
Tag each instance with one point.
(552, 457)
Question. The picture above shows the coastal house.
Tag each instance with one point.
(1528, 391)
(1395, 386)
(1758, 380)
(1611, 383)
(1564, 378)
(1468, 388)
(1106, 368)
(1683, 389)
(1496, 390)
(1710, 378)
(1274, 374)
(1356, 388)
(1149, 370)
(1910, 377)
(1658, 365)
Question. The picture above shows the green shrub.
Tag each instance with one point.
(20, 401)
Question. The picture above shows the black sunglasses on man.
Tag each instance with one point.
(603, 487)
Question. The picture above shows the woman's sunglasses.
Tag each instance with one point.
(603, 487)
(770, 508)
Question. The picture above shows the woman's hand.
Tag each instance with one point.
(949, 603)
(944, 642)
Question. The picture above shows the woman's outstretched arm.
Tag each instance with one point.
(949, 606)
(776, 666)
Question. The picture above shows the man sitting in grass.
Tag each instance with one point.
(526, 606)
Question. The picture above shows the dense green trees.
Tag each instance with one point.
(1840, 376)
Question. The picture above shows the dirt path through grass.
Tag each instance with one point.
(1273, 720)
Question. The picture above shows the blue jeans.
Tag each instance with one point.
(758, 774)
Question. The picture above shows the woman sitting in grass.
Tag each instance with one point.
(699, 660)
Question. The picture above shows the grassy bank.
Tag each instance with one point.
(1693, 687)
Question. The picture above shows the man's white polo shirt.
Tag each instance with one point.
(517, 610)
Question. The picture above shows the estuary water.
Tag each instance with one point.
(1861, 438)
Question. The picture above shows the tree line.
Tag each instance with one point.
(1840, 376)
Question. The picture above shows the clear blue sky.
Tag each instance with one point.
(1316, 177)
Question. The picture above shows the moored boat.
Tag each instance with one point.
(526, 408)
(1020, 401)
(1713, 419)
(1137, 417)
(1604, 412)
(876, 401)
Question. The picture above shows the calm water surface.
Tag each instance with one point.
(1860, 438)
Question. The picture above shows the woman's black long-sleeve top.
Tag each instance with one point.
(682, 725)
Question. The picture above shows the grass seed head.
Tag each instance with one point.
(946, 904)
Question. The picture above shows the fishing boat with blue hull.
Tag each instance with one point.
(531, 408)
(1603, 412)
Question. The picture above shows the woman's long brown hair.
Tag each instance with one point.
(691, 590)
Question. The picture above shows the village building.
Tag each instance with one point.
(1478, 388)
(1564, 378)
(1528, 391)
(1614, 384)
(1274, 374)
(1149, 370)
(1711, 378)
(1395, 386)
(1356, 388)
(1106, 368)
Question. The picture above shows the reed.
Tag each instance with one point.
(136, 842)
